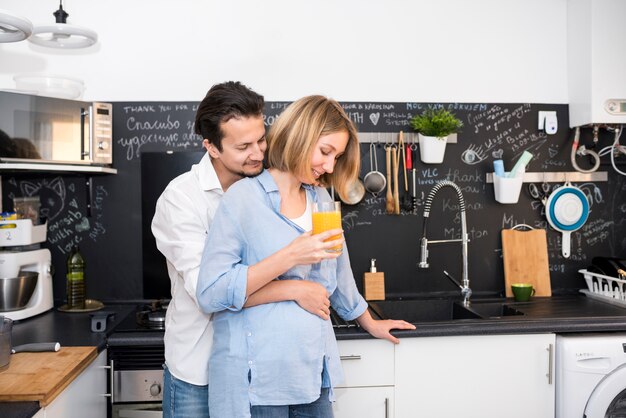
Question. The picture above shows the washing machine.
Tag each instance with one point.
(591, 375)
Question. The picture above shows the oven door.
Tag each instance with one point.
(136, 378)
(143, 410)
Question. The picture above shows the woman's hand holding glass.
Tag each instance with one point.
(326, 216)
(311, 249)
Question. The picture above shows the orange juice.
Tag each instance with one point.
(323, 221)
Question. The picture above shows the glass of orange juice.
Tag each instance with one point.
(327, 215)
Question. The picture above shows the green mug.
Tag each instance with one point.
(522, 291)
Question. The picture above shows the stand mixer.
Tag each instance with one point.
(18, 256)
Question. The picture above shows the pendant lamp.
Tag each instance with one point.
(63, 35)
(14, 28)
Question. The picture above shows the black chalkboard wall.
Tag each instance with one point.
(154, 142)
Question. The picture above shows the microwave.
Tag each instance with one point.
(40, 129)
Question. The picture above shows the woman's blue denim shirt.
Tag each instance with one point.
(276, 353)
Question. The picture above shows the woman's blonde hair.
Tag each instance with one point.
(292, 138)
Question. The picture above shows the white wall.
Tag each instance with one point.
(353, 50)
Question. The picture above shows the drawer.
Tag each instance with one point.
(367, 362)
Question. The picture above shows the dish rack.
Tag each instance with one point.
(607, 288)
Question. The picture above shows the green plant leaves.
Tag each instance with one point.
(436, 122)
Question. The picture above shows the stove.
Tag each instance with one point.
(136, 356)
(149, 316)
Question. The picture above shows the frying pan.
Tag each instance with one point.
(567, 210)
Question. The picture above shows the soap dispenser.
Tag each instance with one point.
(374, 283)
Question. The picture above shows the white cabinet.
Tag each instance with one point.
(367, 391)
(84, 397)
(475, 376)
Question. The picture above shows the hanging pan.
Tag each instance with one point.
(356, 193)
(567, 210)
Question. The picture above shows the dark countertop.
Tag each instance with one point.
(567, 314)
(559, 315)
(69, 329)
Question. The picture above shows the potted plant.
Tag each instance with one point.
(434, 126)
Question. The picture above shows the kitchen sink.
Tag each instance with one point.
(422, 310)
(493, 310)
(433, 310)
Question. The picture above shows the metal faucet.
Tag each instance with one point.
(466, 292)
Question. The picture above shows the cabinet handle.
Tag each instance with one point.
(107, 395)
(550, 350)
(350, 357)
(386, 407)
(111, 373)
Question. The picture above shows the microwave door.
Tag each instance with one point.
(44, 129)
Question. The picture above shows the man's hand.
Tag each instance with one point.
(313, 298)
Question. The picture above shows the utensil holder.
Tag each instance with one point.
(507, 189)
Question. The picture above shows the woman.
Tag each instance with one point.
(274, 359)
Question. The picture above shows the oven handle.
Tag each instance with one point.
(109, 395)
(138, 413)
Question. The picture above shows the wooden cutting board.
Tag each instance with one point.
(42, 376)
(525, 255)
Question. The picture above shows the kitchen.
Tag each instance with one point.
(508, 59)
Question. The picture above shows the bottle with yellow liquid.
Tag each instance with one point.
(327, 215)
(75, 280)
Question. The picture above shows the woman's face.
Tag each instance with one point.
(326, 152)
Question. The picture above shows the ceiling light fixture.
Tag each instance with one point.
(14, 28)
(63, 35)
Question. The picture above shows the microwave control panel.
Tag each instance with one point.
(102, 133)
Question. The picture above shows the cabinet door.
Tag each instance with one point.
(364, 402)
(476, 376)
(84, 397)
(366, 362)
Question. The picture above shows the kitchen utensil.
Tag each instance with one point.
(36, 348)
(567, 209)
(407, 203)
(356, 193)
(396, 195)
(414, 190)
(525, 258)
(402, 154)
(389, 198)
(15, 292)
(374, 181)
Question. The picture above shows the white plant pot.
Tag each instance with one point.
(432, 149)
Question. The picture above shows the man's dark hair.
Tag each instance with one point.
(222, 103)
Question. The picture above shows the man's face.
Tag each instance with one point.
(243, 146)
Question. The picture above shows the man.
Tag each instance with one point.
(230, 120)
